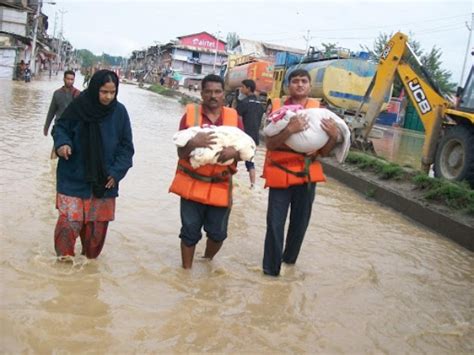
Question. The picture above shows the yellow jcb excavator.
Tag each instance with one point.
(449, 128)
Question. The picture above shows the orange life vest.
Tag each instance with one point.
(209, 184)
(285, 168)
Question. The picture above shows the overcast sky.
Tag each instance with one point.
(118, 27)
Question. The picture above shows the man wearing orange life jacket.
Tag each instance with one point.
(292, 179)
(206, 192)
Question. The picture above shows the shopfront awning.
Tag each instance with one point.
(46, 54)
(44, 51)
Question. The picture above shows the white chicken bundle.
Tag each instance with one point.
(314, 137)
(225, 136)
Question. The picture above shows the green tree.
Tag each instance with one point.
(111, 60)
(89, 59)
(378, 46)
(431, 61)
(231, 39)
(442, 77)
(86, 57)
(329, 49)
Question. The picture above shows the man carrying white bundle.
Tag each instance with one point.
(206, 192)
(224, 136)
(314, 137)
(292, 178)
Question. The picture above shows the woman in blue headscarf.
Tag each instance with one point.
(93, 139)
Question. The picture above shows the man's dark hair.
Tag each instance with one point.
(299, 72)
(212, 78)
(69, 72)
(249, 83)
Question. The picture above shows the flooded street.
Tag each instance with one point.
(368, 280)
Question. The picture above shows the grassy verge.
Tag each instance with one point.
(163, 90)
(183, 98)
(457, 196)
(380, 167)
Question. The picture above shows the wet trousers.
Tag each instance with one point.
(300, 198)
(92, 237)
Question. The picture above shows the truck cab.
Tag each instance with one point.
(465, 95)
(240, 67)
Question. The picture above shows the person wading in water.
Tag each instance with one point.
(93, 139)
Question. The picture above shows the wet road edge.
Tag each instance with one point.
(441, 223)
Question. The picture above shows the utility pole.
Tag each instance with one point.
(35, 34)
(461, 82)
(55, 23)
(54, 39)
(158, 56)
(307, 39)
(39, 5)
(60, 39)
(215, 53)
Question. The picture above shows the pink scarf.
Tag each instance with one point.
(281, 112)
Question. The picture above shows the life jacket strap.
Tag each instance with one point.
(300, 174)
(224, 176)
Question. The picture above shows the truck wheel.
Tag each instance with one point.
(455, 155)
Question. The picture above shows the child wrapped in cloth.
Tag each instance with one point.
(226, 136)
(313, 138)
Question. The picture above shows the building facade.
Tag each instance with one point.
(188, 57)
(13, 37)
(198, 54)
(263, 49)
(17, 24)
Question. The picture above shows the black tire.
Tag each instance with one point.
(455, 155)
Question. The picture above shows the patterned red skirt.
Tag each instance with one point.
(86, 210)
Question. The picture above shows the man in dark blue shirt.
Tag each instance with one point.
(251, 111)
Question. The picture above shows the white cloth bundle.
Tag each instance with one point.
(313, 138)
(226, 136)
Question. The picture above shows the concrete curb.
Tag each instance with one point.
(450, 228)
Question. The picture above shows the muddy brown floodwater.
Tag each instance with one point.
(368, 280)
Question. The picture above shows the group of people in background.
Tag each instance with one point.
(23, 71)
(93, 140)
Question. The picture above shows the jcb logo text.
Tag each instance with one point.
(419, 96)
(387, 50)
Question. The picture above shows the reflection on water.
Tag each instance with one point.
(400, 146)
(83, 316)
(367, 281)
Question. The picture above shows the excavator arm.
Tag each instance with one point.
(429, 104)
(379, 87)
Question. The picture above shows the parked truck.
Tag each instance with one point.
(339, 82)
(247, 67)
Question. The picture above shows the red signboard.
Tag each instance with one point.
(202, 40)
